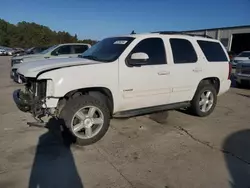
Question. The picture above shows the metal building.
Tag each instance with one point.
(236, 39)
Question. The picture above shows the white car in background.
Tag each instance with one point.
(9, 52)
(243, 56)
(59, 51)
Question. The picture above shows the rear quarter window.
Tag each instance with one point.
(213, 51)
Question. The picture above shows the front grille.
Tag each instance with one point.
(245, 71)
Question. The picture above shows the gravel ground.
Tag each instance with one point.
(184, 152)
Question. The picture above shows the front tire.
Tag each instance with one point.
(87, 118)
(204, 101)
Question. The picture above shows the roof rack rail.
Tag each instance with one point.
(181, 33)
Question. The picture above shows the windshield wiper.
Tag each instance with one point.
(90, 57)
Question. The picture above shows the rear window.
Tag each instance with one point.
(213, 51)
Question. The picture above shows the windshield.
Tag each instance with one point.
(244, 54)
(108, 49)
(49, 49)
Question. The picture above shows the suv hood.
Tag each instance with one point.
(28, 56)
(33, 68)
(241, 58)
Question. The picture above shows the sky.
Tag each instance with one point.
(97, 19)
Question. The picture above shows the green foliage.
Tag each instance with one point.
(26, 35)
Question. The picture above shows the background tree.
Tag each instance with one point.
(25, 35)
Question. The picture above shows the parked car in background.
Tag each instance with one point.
(10, 52)
(2, 51)
(18, 52)
(67, 50)
(242, 73)
(243, 56)
(126, 76)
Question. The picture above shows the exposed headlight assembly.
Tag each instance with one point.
(17, 61)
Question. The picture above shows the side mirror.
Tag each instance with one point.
(55, 53)
(138, 59)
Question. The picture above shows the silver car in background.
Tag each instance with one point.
(242, 73)
(243, 56)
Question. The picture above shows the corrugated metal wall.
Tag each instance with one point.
(224, 35)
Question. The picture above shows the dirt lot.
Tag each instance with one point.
(185, 152)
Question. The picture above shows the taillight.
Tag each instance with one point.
(229, 70)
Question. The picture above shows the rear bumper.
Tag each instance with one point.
(22, 101)
(224, 87)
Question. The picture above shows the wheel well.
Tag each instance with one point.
(212, 80)
(100, 92)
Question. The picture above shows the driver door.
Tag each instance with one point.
(145, 85)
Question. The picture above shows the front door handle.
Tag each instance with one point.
(163, 73)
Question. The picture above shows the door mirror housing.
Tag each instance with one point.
(138, 59)
(55, 53)
(139, 56)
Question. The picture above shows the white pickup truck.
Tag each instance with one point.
(126, 76)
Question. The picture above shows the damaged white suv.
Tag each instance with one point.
(126, 76)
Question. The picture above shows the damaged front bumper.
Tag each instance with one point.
(22, 100)
(26, 102)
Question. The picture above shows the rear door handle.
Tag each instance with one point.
(163, 73)
(197, 70)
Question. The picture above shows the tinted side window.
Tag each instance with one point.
(213, 51)
(183, 51)
(154, 48)
(78, 49)
(62, 50)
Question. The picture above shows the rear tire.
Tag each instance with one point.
(204, 101)
(87, 118)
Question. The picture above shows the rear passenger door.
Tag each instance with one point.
(78, 50)
(186, 69)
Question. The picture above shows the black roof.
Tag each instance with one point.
(222, 28)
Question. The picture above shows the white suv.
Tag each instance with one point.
(126, 76)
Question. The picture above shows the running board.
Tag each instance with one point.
(150, 110)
